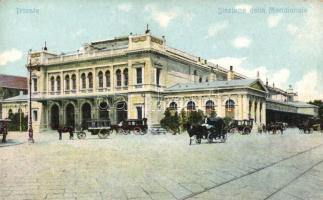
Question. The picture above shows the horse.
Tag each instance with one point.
(65, 129)
(200, 132)
(275, 126)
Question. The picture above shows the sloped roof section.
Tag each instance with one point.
(18, 98)
(214, 85)
(14, 82)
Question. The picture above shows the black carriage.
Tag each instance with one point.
(100, 127)
(213, 130)
(137, 126)
(241, 126)
(4, 129)
(216, 130)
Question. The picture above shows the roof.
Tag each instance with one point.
(20, 97)
(14, 82)
(212, 85)
(301, 104)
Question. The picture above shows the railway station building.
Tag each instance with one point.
(139, 76)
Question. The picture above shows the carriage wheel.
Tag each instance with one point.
(122, 131)
(103, 133)
(232, 130)
(137, 130)
(81, 135)
(143, 132)
(246, 130)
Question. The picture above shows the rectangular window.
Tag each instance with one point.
(158, 72)
(35, 84)
(139, 75)
(139, 112)
(35, 115)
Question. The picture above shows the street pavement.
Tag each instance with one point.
(256, 166)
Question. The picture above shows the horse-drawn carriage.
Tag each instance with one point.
(100, 127)
(213, 130)
(137, 126)
(241, 126)
(309, 125)
(276, 126)
(4, 129)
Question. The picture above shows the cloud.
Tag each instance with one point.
(292, 29)
(11, 55)
(214, 29)
(280, 77)
(126, 7)
(163, 18)
(244, 7)
(273, 20)
(308, 87)
(241, 42)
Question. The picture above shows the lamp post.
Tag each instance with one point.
(30, 125)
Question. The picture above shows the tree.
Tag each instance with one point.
(171, 121)
(213, 114)
(195, 117)
(183, 118)
(17, 121)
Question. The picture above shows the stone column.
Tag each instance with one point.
(258, 111)
(94, 77)
(245, 102)
(263, 112)
(252, 112)
(241, 108)
(237, 107)
(220, 108)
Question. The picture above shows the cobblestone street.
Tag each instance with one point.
(255, 166)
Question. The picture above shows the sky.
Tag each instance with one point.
(283, 41)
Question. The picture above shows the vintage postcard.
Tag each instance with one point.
(152, 99)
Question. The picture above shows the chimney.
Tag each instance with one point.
(266, 81)
(273, 85)
(230, 75)
(258, 74)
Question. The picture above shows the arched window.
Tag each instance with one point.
(107, 78)
(74, 82)
(195, 73)
(100, 76)
(67, 82)
(190, 106)
(90, 77)
(209, 106)
(206, 80)
(229, 104)
(118, 74)
(200, 79)
(52, 84)
(58, 83)
(83, 80)
(125, 76)
(173, 106)
(229, 108)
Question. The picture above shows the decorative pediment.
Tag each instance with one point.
(258, 85)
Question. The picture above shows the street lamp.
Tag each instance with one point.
(30, 125)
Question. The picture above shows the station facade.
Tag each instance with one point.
(139, 76)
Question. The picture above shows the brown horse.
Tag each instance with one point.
(65, 129)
